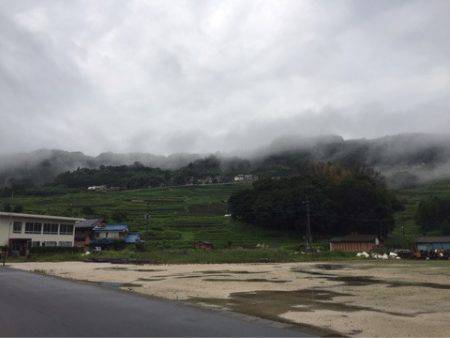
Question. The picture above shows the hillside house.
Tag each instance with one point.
(106, 236)
(97, 188)
(243, 178)
(432, 243)
(355, 243)
(84, 231)
(111, 231)
(22, 231)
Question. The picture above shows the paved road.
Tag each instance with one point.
(35, 305)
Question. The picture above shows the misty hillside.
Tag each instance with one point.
(423, 155)
(42, 166)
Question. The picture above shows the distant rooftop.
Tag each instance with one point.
(112, 227)
(433, 239)
(354, 238)
(89, 223)
(49, 217)
(133, 237)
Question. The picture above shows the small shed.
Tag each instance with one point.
(355, 243)
(204, 245)
(431, 243)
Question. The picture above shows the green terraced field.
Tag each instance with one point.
(184, 215)
(411, 199)
(180, 215)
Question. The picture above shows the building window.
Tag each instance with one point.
(17, 227)
(48, 243)
(65, 244)
(50, 228)
(66, 229)
(33, 228)
(35, 243)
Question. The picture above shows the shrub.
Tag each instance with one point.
(433, 213)
(54, 250)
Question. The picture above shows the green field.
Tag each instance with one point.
(411, 199)
(184, 215)
(180, 216)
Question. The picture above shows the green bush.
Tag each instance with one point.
(162, 235)
(54, 250)
(140, 247)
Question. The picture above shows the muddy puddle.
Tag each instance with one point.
(150, 279)
(368, 280)
(271, 304)
(244, 272)
(249, 280)
(123, 268)
(118, 285)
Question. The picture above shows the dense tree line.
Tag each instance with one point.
(140, 176)
(341, 201)
(134, 176)
(8, 207)
(433, 215)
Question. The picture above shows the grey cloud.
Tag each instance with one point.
(203, 76)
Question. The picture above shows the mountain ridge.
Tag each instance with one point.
(418, 153)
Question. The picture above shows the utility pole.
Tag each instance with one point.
(147, 218)
(308, 236)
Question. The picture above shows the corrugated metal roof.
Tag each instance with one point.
(89, 223)
(58, 218)
(112, 227)
(133, 237)
(433, 239)
(354, 238)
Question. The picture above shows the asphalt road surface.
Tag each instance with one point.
(35, 305)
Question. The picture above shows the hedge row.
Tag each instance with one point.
(55, 249)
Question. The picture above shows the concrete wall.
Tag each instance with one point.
(6, 230)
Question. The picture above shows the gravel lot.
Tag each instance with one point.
(373, 298)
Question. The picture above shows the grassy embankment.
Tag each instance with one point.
(182, 216)
(411, 199)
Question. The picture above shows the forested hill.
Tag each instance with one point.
(403, 158)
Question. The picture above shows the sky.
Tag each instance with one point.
(205, 76)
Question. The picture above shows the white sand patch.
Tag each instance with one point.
(391, 299)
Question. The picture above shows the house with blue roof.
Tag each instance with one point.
(113, 234)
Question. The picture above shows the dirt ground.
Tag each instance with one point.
(373, 298)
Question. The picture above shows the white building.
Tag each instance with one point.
(97, 188)
(21, 231)
(244, 178)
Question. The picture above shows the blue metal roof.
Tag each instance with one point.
(133, 237)
(112, 227)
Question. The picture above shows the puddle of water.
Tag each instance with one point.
(368, 280)
(114, 268)
(271, 304)
(230, 271)
(148, 270)
(119, 284)
(250, 280)
(331, 266)
(150, 279)
(201, 276)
